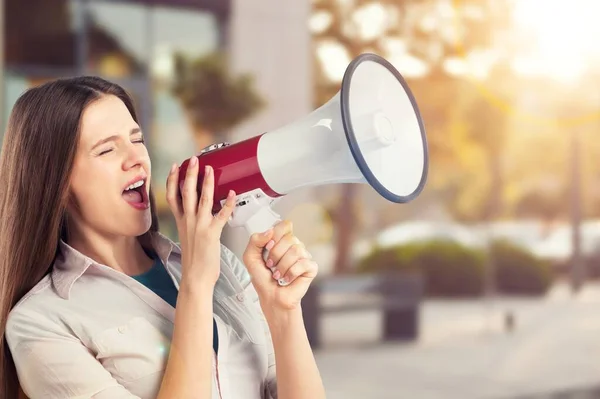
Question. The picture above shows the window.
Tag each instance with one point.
(118, 38)
(40, 33)
(193, 32)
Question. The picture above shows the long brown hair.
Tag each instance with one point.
(35, 166)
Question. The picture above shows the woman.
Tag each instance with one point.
(89, 285)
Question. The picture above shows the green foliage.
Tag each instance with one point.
(453, 270)
(449, 269)
(214, 99)
(389, 259)
(520, 272)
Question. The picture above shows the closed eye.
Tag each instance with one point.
(138, 141)
(105, 152)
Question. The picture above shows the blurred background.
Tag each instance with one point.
(486, 285)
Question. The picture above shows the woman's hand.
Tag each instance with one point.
(199, 231)
(288, 259)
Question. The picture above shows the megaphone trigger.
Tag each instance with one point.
(253, 212)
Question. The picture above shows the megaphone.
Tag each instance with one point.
(370, 132)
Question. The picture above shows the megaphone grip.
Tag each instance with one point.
(261, 221)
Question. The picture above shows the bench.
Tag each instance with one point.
(397, 295)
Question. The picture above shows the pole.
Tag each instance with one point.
(577, 264)
(493, 211)
(82, 36)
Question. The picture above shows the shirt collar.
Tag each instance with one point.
(70, 264)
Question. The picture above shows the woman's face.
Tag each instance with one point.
(110, 181)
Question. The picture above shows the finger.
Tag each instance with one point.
(206, 196)
(303, 268)
(278, 250)
(172, 192)
(225, 213)
(294, 253)
(190, 184)
(281, 229)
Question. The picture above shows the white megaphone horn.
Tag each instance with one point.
(369, 132)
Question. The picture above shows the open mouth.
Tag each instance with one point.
(136, 194)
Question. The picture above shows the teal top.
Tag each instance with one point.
(158, 280)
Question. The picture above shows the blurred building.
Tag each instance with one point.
(132, 42)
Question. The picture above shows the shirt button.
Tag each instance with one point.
(240, 297)
(122, 329)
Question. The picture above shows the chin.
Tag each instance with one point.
(141, 225)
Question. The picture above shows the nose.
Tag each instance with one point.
(133, 157)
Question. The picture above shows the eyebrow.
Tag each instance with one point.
(114, 137)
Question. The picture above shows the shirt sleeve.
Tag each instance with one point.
(241, 273)
(53, 365)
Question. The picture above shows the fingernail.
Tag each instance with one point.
(173, 168)
(231, 194)
(206, 170)
(270, 245)
(276, 275)
(269, 263)
(193, 161)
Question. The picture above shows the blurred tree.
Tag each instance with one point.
(541, 165)
(424, 33)
(591, 166)
(486, 127)
(547, 206)
(535, 174)
(214, 99)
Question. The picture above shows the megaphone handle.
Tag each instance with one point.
(262, 220)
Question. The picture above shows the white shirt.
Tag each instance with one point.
(88, 331)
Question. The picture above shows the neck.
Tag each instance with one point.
(122, 253)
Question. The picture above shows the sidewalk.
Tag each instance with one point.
(464, 352)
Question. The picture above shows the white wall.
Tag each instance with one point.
(270, 39)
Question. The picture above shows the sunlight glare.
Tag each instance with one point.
(335, 59)
(319, 21)
(563, 34)
(371, 20)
